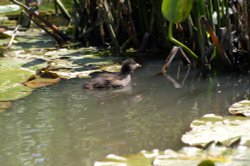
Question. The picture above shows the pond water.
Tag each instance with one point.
(66, 125)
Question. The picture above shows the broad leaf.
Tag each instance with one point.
(41, 82)
(11, 80)
(14, 92)
(176, 11)
(226, 130)
(188, 156)
(240, 108)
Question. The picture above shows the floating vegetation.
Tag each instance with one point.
(38, 82)
(11, 87)
(189, 156)
(225, 130)
(24, 69)
(240, 108)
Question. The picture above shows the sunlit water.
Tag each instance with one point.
(66, 125)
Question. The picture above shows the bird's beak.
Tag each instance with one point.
(138, 65)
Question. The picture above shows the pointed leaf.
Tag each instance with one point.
(176, 11)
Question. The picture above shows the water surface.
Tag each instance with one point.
(66, 125)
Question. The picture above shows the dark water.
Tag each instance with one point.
(66, 125)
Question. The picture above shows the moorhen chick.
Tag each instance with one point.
(114, 80)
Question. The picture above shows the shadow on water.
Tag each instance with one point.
(66, 125)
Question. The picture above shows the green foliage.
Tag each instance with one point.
(176, 11)
(219, 129)
(11, 80)
(187, 156)
(240, 108)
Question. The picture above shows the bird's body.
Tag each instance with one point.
(114, 80)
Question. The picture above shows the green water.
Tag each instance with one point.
(66, 125)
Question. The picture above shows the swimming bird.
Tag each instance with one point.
(114, 80)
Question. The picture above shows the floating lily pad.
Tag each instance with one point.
(187, 156)
(10, 83)
(4, 42)
(41, 82)
(215, 155)
(99, 64)
(62, 64)
(10, 76)
(8, 62)
(67, 74)
(73, 73)
(111, 68)
(240, 108)
(144, 158)
(225, 130)
(14, 92)
(4, 35)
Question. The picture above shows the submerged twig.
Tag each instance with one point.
(176, 83)
(171, 56)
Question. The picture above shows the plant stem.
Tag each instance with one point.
(171, 38)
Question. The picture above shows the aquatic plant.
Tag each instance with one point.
(211, 31)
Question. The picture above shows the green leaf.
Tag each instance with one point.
(14, 92)
(240, 108)
(176, 11)
(4, 36)
(9, 8)
(10, 76)
(225, 130)
(187, 156)
(11, 80)
(41, 82)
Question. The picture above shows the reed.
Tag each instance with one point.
(215, 32)
(119, 24)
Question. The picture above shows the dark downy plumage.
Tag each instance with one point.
(121, 79)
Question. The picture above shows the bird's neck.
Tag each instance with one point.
(126, 80)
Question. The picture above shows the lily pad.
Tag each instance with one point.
(12, 62)
(225, 130)
(14, 92)
(10, 83)
(73, 73)
(143, 158)
(4, 35)
(215, 155)
(240, 108)
(63, 64)
(111, 68)
(10, 76)
(67, 74)
(41, 82)
(188, 156)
